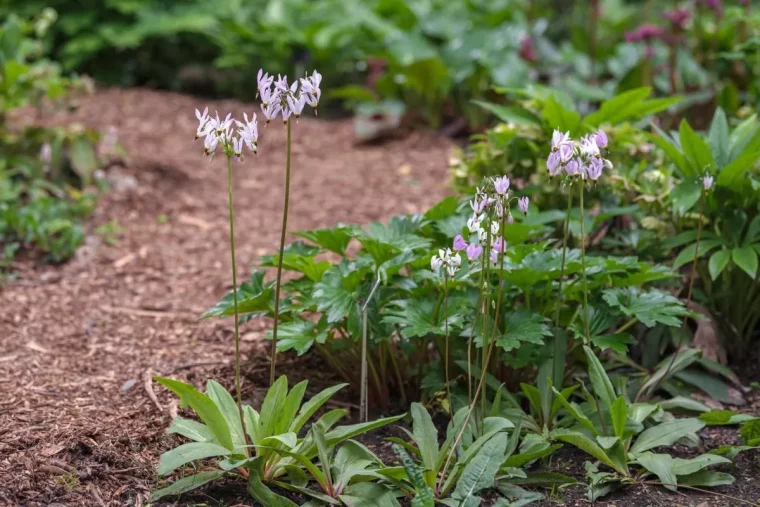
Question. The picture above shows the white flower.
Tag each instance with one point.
(473, 224)
(203, 120)
(436, 263)
(271, 110)
(281, 84)
(264, 81)
(210, 143)
(296, 105)
(237, 147)
(454, 264)
(268, 96)
(589, 147)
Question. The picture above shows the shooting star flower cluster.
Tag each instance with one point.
(219, 133)
(578, 159)
(279, 98)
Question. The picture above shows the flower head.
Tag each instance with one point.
(678, 17)
(474, 251)
(522, 203)
(562, 144)
(501, 184)
(459, 243)
(589, 148)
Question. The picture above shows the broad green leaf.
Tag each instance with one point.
(270, 414)
(750, 432)
(599, 380)
(297, 335)
(685, 195)
(687, 254)
(290, 407)
(706, 478)
(619, 413)
(666, 433)
(230, 412)
(510, 114)
(720, 143)
(690, 466)
(753, 232)
(732, 175)
(684, 404)
(559, 117)
(187, 483)
(423, 496)
(521, 326)
(696, 149)
(529, 455)
(663, 141)
(253, 297)
(445, 208)
(670, 367)
(203, 406)
(185, 453)
(534, 397)
(588, 446)
(724, 417)
(191, 429)
(617, 342)
(616, 109)
(480, 472)
(310, 407)
(367, 494)
(731, 451)
(425, 435)
(651, 307)
(661, 465)
(746, 258)
(718, 262)
(335, 239)
(713, 386)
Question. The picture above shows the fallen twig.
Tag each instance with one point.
(148, 385)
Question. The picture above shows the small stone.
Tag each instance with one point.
(129, 384)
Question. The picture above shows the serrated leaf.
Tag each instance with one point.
(651, 307)
(335, 239)
(253, 296)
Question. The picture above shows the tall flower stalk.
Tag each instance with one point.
(219, 135)
(278, 98)
(582, 162)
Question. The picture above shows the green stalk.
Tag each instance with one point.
(560, 296)
(446, 328)
(583, 266)
(234, 292)
(273, 353)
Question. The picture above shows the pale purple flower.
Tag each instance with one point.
(264, 81)
(285, 112)
(499, 209)
(562, 144)
(501, 185)
(474, 251)
(310, 87)
(282, 83)
(249, 132)
(237, 147)
(478, 205)
(498, 245)
(707, 181)
(203, 121)
(589, 147)
(553, 163)
(594, 169)
(268, 96)
(573, 168)
(522, 203)
(600, 137)
(494, 256)
(510, 219)
(210, 143)
(459, 243)
(271, 111)
(296, 105)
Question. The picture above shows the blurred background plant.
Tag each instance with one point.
(46, 173)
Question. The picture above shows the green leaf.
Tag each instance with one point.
(695, 148)
(599, 380)
(661, 465)
(731, 451)
(690, 466)
(533, 395)
(666, 433)
(263, 494)
(188, 483)
(310, 407)
(191, 429)
(746, 258)
(335, 239)
(586, 445)
(532, 454)
(670, 367)
(652, 307)
(342, 433)
(706, 478)
(83, 159)
(615, 109)
(521, 326)
(516, 115)
(544, 479)
(185, 453)
(270, 414)
(229, 410)
(750, 432)
(367, 494)
(480, 472)
(558, 117)
(718, 262)
(575, 412)
(619, 412)
(618, 342)
(718, 137)
(423, 493)
(425, 435)
(203, 406)
(296, 335)
(253, 297)
(685, 195)
(663, 141)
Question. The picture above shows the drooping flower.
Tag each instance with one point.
(203, 123)
(499, 245)
(296, 105)
(553, 163)
(271, 111)
(707, 181)
(459, 243)
(436, 263)
(589, 147)
(594, 169)
(522, 203)
(210, 143)
(237, 147)
(600, 137)
(573, 168)
(474, 251)
(455, 262)
(510, 219)
(501, 184)
(478, 204)
(562, 144)
(473, 224)
(264, 81)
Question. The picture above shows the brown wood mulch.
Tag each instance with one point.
(79, 422)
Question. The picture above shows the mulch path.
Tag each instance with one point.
(78, 341)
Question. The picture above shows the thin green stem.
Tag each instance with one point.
(560, 295)
(692, 277)
(446, 330)
(583, 266)
(273, 353)
(627, 325)
(234, 292)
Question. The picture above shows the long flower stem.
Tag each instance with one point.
(560, 295)
(446, 329)
(273, 353)
(234, 292)
(583, 266)
(692, 277)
